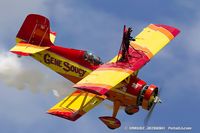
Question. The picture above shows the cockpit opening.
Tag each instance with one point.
(91, 58)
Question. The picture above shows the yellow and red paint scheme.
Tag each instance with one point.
(67, 62)
(116, 81)
(76, 105)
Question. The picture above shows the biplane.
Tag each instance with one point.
(95, 81)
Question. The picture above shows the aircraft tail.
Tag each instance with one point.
(34, 36)
(36, 40)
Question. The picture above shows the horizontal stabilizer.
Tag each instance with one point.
(25, 49)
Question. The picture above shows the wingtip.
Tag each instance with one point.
(66, 114)
(174, 31)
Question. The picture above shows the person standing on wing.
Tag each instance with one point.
(125, 43)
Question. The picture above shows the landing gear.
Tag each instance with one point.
(130, 110)
(111, 121)
(110, 127)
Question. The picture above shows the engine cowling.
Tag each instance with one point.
(134, 88)
(147, 96)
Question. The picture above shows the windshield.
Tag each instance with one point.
(91, 58)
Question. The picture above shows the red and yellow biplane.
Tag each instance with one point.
(94, 80)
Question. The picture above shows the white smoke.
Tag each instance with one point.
(15, 72)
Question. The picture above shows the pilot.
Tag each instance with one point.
(97, 60)
(92, 58)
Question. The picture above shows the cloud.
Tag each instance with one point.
(187, 4)
(27, 75)
(24, 107)
(192, 39)
(16, 72)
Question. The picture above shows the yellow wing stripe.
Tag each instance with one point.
(93, 85)
(163, 30)
(75, 105)
(115, 69)
(107, 77)
(75, 100)
(152, 39)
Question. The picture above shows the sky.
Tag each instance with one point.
(97, 26)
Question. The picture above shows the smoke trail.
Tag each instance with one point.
(15, 72)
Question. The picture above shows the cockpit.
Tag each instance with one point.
(91, 58)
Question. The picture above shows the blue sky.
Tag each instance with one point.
(96, 26)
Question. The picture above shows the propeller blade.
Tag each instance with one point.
(146, 120)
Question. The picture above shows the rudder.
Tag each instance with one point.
(34, 36)
(35, 30)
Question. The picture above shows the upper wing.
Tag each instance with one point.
(104, 78)
(153, 38)
(149, 42)
(75, 105)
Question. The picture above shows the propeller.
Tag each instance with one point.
(156, 100)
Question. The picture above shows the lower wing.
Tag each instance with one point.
(75, 105)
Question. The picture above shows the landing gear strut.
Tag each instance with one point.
(111, 121)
